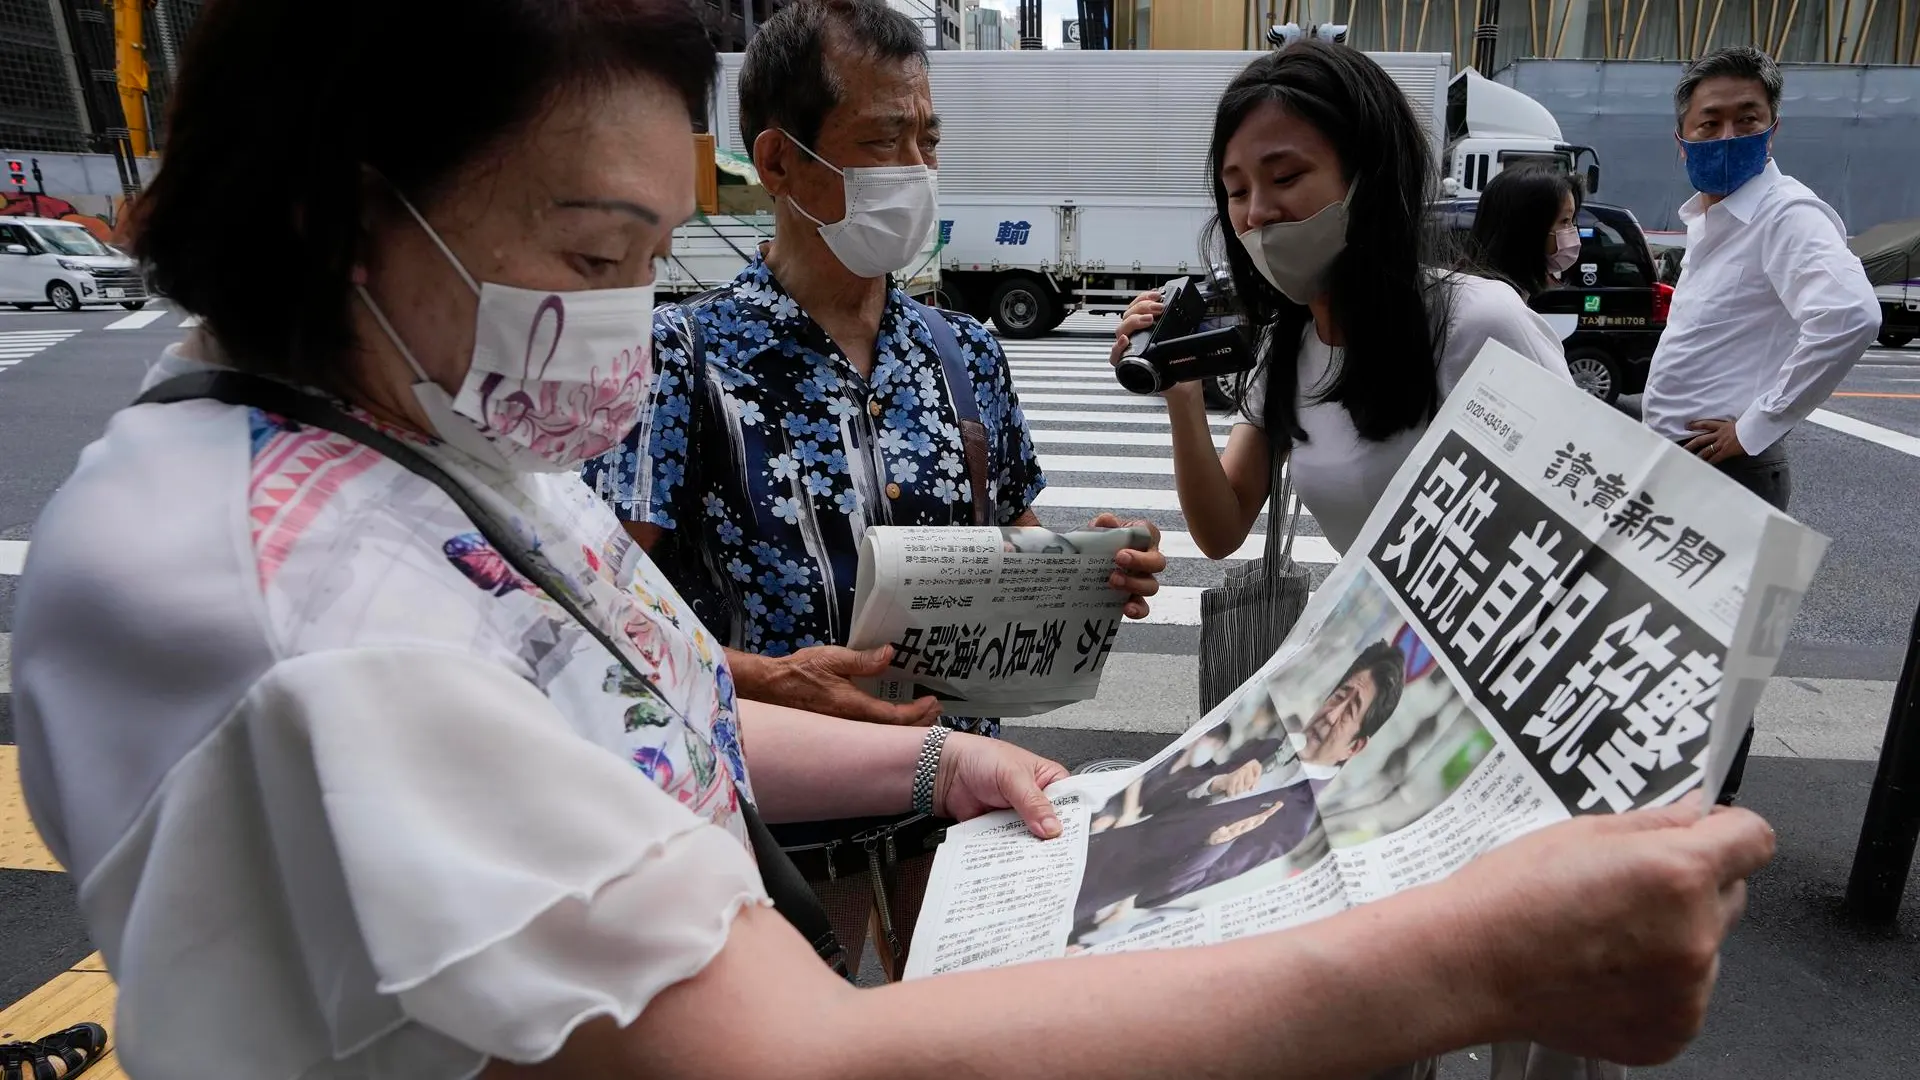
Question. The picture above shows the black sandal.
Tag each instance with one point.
(75, 1049)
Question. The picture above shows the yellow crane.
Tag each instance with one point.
(130, 70)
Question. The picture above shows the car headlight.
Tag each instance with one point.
(76, 267)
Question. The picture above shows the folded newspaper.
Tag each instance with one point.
(1552, 611)
(993, 622)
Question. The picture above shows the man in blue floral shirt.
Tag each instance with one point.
(808, 400)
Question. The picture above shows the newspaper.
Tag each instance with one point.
(1552, 611)
(992, 621)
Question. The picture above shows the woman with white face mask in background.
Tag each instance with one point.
(1517, 209)
(1322, 176)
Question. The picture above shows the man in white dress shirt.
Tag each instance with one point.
(1772, 310)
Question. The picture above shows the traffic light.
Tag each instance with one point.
(18, 171)
(1332, 33)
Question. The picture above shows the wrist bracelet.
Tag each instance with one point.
(927, 769)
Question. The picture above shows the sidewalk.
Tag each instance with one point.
(1803, 994)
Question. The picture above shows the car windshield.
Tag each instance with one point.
(68, 240)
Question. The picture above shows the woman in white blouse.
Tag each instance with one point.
(1323, 173)
(348, 795)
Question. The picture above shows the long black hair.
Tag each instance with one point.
(1390, 310)
(1516, 212)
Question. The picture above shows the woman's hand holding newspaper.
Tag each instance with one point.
(1635, 906)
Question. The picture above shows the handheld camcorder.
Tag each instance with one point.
(1185, 343)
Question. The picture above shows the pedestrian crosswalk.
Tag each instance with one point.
(18, 345)
(1112, 451)
(156, 319)
(1103, 448)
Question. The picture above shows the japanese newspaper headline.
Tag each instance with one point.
(993, 621)
(1552, 611)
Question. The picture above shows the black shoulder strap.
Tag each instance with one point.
(947, 344)
(789, 890)
(966, 406)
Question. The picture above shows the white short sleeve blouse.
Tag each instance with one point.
(345, 795)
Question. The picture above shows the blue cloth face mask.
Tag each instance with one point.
(1722, 166)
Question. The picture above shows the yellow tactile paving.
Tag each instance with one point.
(83, 994)
(20, 846)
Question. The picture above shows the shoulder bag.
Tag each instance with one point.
(790, 894)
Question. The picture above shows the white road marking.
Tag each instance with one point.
(138, 320)
(1873, 433)
(1134, 419)
(13, 557)
(1042, 436)
(1114, 498)
(1128, 401)
(18, 345)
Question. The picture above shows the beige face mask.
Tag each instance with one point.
(1294, 256)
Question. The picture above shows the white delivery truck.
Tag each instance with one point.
(1491, 127)
(1076, 180)
(710, 250)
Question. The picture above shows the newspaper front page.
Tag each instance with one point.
(992, 621)
(1552, 611)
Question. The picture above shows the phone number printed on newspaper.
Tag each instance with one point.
(1603, 686)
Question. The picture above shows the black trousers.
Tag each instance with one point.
(1765, 474)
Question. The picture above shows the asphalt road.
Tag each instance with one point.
(1803, 992)
(1864, 495)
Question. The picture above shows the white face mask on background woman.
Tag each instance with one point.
(556, 378)
(1294, 256)
(889, 212)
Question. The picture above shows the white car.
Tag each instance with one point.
(43, 261)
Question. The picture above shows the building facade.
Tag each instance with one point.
(983, 28)
(939, 20)
(1793, 31)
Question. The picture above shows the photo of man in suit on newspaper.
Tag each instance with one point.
(1236, 798)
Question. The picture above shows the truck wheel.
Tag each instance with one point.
(948, 297)
(62, 296)
(1218, 392)
(1023, 307)
(1895, 339)
(1596, 372)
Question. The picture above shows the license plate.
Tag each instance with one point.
(113, 294)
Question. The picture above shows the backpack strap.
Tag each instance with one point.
(966, 407)
(788, 890)
(679, 552)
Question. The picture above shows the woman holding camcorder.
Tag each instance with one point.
(1322, 174)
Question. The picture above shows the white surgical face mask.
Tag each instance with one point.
(890, 210)
(1566, 250)
(557, 377)
(1294, 256)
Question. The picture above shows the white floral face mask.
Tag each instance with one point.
(557, 377)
